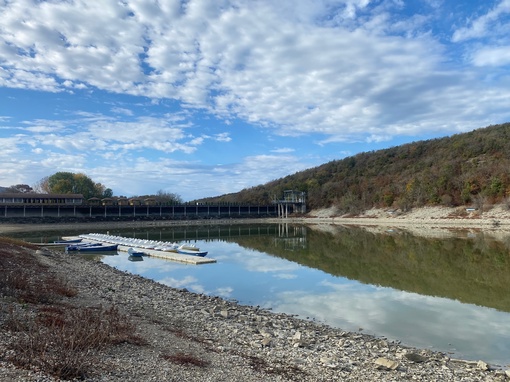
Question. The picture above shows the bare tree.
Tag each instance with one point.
(42, 186)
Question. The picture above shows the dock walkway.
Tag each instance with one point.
(171, 256)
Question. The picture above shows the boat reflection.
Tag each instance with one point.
(135, 258)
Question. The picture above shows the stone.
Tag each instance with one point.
(225, 313)
(415, 357)
(329, 362)
(266, 341)
(386, 364)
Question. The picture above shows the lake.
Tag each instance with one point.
(442, 293)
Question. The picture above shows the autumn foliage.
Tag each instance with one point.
(464, 169)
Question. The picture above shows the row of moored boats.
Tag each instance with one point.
(138, 244)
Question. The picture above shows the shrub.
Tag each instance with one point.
(64, 341)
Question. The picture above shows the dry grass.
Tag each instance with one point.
(23, 278)
(46, 332)
(4, 240)
(64, 341)
(185, 359)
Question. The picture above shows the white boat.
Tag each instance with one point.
(187, 249)
(135, 252)
(144, 244)
(168, 247)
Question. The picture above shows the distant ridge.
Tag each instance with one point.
(470, 168)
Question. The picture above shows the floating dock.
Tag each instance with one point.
(171, 256)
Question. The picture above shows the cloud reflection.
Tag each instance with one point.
(255, 261)
(188, 282)
(255, 278)
(224, 292)
(421, 320)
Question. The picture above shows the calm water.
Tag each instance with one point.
(444, 294)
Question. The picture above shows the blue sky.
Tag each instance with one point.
(202, 98)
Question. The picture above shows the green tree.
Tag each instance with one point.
(496, 187)
(62, 183)
(107, 193)
(71, 183)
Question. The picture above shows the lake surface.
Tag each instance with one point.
(447, 294)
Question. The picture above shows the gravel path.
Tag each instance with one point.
(192, 337)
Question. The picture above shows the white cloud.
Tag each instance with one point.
(121, 110)
(43, 126)
(492, 56)
(187, 178)
(286, 276)
(72, 162)
(9, 146)
(355, 71)
(486, 24)
(222, 137)
(283, 150)
(288, 71)
(485, 37)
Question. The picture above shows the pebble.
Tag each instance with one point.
(234, 342)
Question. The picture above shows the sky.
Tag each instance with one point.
(202, 98)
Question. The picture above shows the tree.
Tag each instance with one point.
(168, 198)
(42, 186)
(61, 183)
(162, 198)
(107, 193)
(71, 183)
(21, 188)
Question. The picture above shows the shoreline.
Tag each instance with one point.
(234, 342)
(497, 219)
(230, 335)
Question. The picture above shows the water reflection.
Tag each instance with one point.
(448, 294)
(470, 268)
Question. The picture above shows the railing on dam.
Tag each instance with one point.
(182, 211)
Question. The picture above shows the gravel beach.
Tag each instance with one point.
(192, 337)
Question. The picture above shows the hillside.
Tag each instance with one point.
(464, 169)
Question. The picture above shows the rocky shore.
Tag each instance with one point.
(193, 337)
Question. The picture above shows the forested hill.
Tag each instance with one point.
(465, 169)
